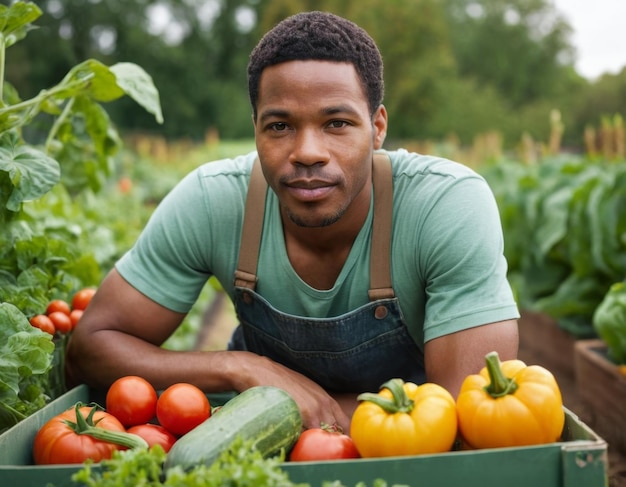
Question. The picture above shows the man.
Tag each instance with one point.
(347, 272)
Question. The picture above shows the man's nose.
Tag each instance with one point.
(310, 147)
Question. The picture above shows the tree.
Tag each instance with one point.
(521, 47)
(193, 57)
(413, 40)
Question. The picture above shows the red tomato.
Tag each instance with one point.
(43, 323)
(125, 184)
(154, 434)
(62, 322)
(57, 443)
(181, 407)
(58, 305)
(75, 316)
(82, 298)
(132, 400)
(323, 444)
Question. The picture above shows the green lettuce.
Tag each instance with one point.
(609, 321)
(26, 355)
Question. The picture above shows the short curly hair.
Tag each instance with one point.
(319, 36)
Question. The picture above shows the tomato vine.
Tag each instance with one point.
(47, 246)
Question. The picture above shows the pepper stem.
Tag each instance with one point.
(399, 403)
(500, 385)
(86, 426)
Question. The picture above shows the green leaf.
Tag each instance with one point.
(15, 20)
(32, 172)
(92, 78)
(574, 296)
(609, 320)
(25, 355)
(552, 227)
(97, 126)
(139, 86)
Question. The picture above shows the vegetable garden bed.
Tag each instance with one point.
(578, 460)
(602, 386)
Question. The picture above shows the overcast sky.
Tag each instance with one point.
(598, 34)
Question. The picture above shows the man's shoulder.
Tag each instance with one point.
(235, 167)
(411, 164)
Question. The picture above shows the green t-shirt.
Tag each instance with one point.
(448, 268)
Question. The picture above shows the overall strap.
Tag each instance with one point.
(380, 257)
(245, 275)
(380, 254)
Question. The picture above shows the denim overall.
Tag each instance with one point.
(355, 352)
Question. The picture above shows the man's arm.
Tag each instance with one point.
(449, 359)
(121, 333)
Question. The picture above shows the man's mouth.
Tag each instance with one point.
(309, 190)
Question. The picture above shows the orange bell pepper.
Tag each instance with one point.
(510, 404)
(404, 419)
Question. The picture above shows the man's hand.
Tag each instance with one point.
(316, 405)
(121, 334)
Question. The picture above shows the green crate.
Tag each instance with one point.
(579, 460)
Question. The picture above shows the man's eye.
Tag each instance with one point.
(337, 124)
(278, 126)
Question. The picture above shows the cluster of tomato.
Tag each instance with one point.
(178, 409)
(62, 317)
(132, 406)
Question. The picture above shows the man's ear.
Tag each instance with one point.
(380, 126)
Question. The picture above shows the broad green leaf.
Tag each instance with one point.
(609, 320)
(93, 78)
(579, 237)
(98, 126)
(12, 117)
(25, 350)
(15, 20)
(574, 296)
(553, 226)
(26, 355)
(600, 239)
(138, 84)
(10, 94)
(32, 173)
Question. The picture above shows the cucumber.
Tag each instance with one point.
(265, 415)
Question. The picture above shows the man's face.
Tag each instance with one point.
(315, 139)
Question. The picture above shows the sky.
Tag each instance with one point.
(598, 34)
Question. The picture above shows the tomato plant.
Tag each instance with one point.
(82, 298)
(62, 322)
(81, 433)
(154, 434)
(132, 400)
(45, 229)
(58, 305)
(325, 443)
(181, 407)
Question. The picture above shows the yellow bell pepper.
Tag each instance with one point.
(404, 419)
(510, 404)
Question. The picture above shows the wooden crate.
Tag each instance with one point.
(579, 459)
(552, 346)
(602, 387)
